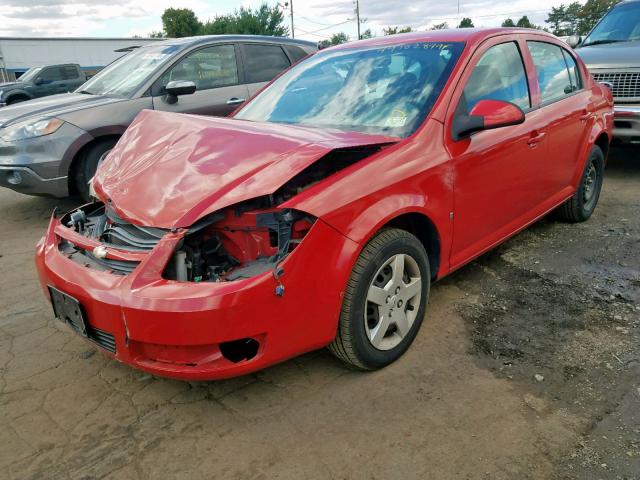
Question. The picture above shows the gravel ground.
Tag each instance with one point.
(527, 366)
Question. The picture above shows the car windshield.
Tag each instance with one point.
(29, 74)
(124, 76)
(622, 24)
(383, 90)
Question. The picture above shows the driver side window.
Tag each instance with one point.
(209, 67)
(499, 75)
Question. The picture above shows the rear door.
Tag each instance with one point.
(73, 77)
(262, 62)
(566, 106)
(215, 71)
(496, 172)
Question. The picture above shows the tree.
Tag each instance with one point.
(335, 39)
(396, 30)
(366, 34)
(524, 22)
(439, 26)
(592, 11)
(264, 20)
(508, 23)
(466, 23)
(564, 20)
(180, 22)
(155, 34)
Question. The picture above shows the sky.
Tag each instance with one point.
(313, 19)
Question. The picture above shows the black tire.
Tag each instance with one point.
(352, 345)
(17, 99)
(582, 204)
(86, 166)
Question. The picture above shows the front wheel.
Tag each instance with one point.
(582, 204)
(87, 164)
(384, 302)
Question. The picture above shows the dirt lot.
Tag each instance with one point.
(560, 302)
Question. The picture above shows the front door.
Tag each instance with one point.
(214, 70)
(496, 172)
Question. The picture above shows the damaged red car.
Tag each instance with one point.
(321, 213)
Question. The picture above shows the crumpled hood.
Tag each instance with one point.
(168, 170)
(52, 106)
(622, 55)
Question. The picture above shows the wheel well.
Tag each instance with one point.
(18, 95)
(80, 155)
(603, 142)
(424, 229)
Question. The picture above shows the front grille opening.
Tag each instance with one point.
(103, 339)
(625, 84)
(239, 350)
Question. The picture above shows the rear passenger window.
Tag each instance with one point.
(499, 75)
(556, 76)
(263, 62)
(69, 73)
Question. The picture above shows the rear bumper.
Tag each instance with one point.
(626, 125)
(180, 329)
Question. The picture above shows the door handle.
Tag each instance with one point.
(536, 138)
(235, 100)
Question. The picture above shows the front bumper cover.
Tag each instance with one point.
(175, 329)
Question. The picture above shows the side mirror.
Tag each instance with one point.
(38, 81)
(574, 40)
(486, 115)
(179, 87)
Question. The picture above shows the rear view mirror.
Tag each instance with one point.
(486, 115)
(574, 40)
(179, 87)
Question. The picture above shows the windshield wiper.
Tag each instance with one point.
(86, 92)
(601, 42)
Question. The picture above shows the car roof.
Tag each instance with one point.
(185, 42)
(469, 35)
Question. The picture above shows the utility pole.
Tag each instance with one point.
(293, 35)
(358, 16)
(458, 17)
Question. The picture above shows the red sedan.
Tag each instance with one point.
(321, 213)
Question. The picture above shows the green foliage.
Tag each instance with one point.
(366, 34)
(576, 18)
(335, 39)
(157, 35)
(466, 23)
(509, 23)
(264, 20)
(439, 26)
(396, 30)
(524, 22)
(180, 22)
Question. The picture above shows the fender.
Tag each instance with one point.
(602, 124)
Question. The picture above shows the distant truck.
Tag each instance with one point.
(41, 82)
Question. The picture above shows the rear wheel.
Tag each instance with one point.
(87, 164)
(582, 204)
(384, 302)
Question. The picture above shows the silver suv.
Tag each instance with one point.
(612, 53)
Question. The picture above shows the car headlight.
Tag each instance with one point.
(31, 129)
(1, 92)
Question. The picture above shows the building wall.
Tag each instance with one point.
(19, 54)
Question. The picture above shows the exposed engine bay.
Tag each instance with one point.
(238, 242)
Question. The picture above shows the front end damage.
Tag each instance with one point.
(205, 283)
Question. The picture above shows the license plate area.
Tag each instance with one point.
(68, 310)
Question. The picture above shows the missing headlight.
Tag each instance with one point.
(240, 242)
